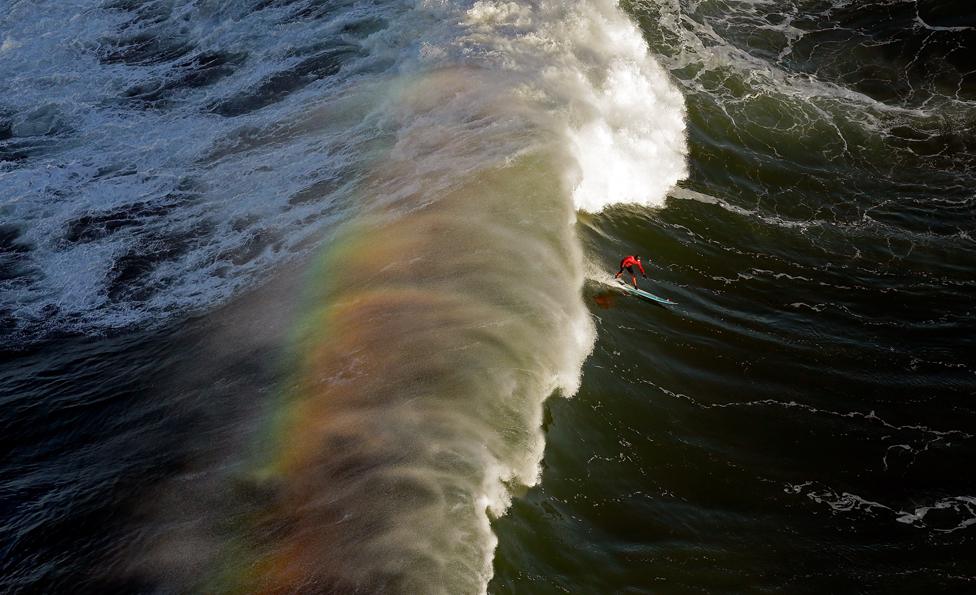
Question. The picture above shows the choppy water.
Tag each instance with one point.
(288, 285)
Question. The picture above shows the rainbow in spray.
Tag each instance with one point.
(439, 319)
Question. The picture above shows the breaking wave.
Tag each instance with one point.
(446, 305)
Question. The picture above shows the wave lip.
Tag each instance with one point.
(587, 68)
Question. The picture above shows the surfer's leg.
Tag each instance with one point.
(620, 272)
(633, 276)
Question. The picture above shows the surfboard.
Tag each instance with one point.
(645, 294)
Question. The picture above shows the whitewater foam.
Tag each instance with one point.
(622, 118)
(93, 177)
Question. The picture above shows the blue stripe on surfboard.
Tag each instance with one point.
(645, 294)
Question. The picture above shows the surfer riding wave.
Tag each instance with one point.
(628, 264)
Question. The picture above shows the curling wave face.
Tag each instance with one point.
(446, 310)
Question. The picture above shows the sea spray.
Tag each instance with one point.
(438, 321)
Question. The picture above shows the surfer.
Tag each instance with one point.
(628, 263)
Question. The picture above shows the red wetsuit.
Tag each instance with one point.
(630, 261)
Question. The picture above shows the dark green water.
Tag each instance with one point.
(804, 421)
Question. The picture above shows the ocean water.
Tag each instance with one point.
(316, 296)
